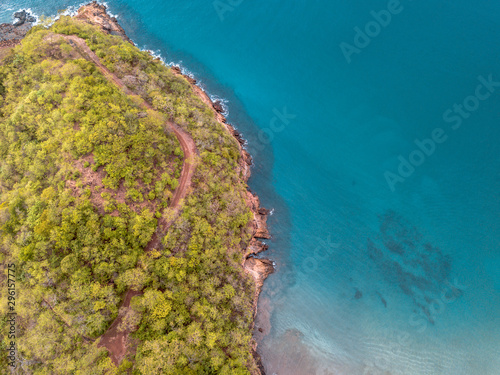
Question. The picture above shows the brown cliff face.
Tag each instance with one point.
(255, 247)
(96, 14)
(11, 34)
(260, 217)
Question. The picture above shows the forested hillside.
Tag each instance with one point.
(86, 174)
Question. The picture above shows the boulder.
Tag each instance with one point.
(18, 22)
(218, 106)
(21, 15)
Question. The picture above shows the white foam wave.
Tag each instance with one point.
(223, 102)
(108, 9)
(72, 11)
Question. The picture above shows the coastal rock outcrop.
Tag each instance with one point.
(260, 216)
(96, 14)
(260, 269)
(22, 17)
(255, 247)
(217, 105)
(12, 33)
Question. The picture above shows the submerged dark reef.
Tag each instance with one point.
(407, 260)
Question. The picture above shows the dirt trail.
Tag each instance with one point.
(113, 339)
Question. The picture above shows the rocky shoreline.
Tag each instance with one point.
(11, 34)
(258, 268)
(96, 14)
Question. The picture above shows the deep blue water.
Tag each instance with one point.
(371, 279)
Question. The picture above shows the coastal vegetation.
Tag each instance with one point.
(86, 175)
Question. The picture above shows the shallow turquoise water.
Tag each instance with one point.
(370, 281)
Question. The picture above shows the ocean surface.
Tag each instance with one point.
(374, 127)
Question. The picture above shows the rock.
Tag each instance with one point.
(21, 15)
(260, 220)
(218, 106)
(255, 247)
(247, 157)
(238, 136)
(244, 164)
(18, 22)
(262, 231)
(258, 361)
(176, 69)
(96, 14)
(260, 269)
(263, 211)
(13, 34)
(191, 80)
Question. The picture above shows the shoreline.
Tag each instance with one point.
(258, 268)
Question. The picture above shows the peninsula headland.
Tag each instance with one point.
(124, 206)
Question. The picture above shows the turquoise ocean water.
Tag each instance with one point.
(373, 278)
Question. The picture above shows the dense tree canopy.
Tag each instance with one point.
(85, 174)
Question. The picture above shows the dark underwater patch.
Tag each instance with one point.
(417, 267)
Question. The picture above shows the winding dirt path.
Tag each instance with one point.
(113, 339)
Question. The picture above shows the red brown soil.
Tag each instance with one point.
(113, 339)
